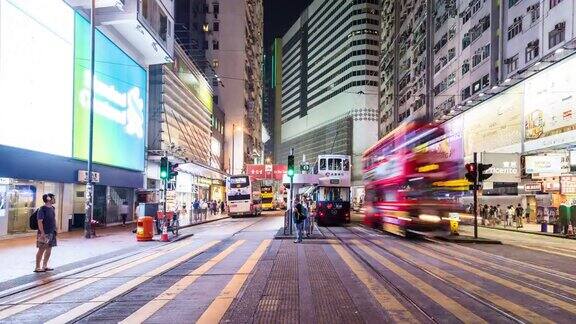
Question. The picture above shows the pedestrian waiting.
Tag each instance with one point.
(44, 220)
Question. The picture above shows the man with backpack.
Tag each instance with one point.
(299, 217)
(44, 220)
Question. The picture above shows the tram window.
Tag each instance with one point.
(338, 164)
(330, 164)
(346, 165)
(323, 164)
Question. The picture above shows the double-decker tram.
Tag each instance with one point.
(244, 196)
(407, 175)
(332, 195)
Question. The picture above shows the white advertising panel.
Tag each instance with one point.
(543, 164)
(505, 166)
(495, 125)
(36, 71)
(550, 106)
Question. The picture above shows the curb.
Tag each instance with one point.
(205, 222)
(467, 239)
(526, 232)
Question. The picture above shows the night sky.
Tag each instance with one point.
(279, 15)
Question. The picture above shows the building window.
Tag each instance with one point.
(556, 35)
(534, 11)
(216, 8)
(512, 3)
(451, 54)
(465, 66)
(215, 44)
(512, 64)
(465, 93)
(554, 3)
(215, 98)
(515, 28)
(532, 50)
(205, 44)
(216, 26)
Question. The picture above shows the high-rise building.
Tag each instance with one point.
(234, 47)
(330, 81)
(474, 50)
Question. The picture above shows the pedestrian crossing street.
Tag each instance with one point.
(354, 275)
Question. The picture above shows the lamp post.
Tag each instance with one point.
(89, 184)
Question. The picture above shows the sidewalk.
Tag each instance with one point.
(528, 228)
(73, 248)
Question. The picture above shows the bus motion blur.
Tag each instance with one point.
(244, 196)
(267, 196)
(408, 177)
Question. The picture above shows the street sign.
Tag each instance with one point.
(83, 176)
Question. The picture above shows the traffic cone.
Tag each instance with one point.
(164, 236)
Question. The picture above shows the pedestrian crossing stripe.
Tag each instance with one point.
(218, 307)
(435, 295)
(466, 285)
(387, 301)
(171, 293)
(49, 292)
(102, 299)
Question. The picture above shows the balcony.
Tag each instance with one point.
(147, 25)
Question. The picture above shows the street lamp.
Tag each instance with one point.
(89, 195)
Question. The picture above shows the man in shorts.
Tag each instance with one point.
(46, 236)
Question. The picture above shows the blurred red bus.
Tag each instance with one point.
(404, 177)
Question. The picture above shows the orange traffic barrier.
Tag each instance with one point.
(145, 229)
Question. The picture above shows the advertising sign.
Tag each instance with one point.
(505, 166)
(550, 106)
(36, 62)
(533, 186)
(279, 170)
(543, 164)
(568, 185)
(268, 171)
(255, 170)
(495, 125)
(120, 87)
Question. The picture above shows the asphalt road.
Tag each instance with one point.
(234, 271)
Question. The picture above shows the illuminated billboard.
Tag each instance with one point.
(120, 87)
(550, 106)
(36, 53)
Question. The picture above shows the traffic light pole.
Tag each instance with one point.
(291, 213)
(476, 196)
(165, 182)
(89, 194)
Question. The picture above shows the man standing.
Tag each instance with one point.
(124, 212)
(299, 216)
(46, 236)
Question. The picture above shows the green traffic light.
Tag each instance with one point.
(290, 172)
(163, 175)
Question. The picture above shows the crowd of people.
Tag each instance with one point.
(509, 216)
(201, 208)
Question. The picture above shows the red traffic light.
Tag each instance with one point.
(471, 167)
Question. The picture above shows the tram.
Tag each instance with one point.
(406, 175)
(332, 195)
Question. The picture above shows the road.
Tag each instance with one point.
(234, 271)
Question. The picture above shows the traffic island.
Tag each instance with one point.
(465, 239)
(281, 235)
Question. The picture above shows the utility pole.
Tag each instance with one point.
(291, 175)
(90, 185)
(476, 196)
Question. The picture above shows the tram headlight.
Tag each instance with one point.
(429, 218)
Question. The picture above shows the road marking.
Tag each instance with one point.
(218, 307)
(546, 251)
(435, 295)
(169, 294)
(468, 286)
(47, 292)
(515, 272)
(102, 299)
(386, 300)
(528, 291)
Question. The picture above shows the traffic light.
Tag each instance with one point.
(471, 172)
(164, 168)
(172, 173)
(290, 171)
(481, 169)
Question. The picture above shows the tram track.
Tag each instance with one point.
(398, 290)
(27, 293)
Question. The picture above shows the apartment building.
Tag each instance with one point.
(330, 81)
(476, 49)
(235, 48)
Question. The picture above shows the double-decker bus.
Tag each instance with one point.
(267, 197)
(332, 195)
(244, 196)
(407, 175)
